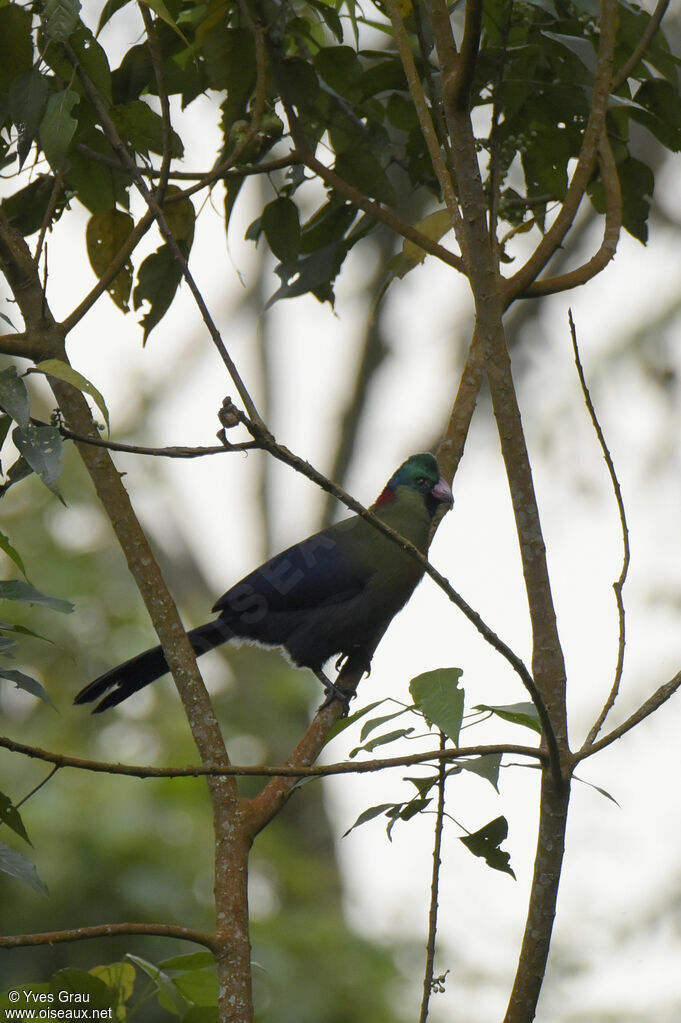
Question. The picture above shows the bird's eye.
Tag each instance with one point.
(420, 481)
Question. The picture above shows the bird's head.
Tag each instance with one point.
(421, 474)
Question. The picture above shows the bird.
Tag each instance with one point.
(331, 595)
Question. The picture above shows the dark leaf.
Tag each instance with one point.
(486, 843)
(41, 446)
(359, 167)
(158, 279)
(180, 217)
(10, 816)
(106, 232)
(27, 101)
(438, 697)
(14, 396)
(26, 209)
(281, 226)
(16, 43)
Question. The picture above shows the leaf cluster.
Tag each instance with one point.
(346, 104)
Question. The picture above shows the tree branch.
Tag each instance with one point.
(619, 583)
(292, 769)
(107, 931)
(652, 704)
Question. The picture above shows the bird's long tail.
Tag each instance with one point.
(121, 682)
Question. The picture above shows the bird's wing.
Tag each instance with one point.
(322, 570)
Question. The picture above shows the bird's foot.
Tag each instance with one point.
(333, 692)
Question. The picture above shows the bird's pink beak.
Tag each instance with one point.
(442, 491)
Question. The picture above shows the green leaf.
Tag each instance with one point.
(486, 766)
(10, 816)
(158, 279)
(14, 396)
(434, 226)
(58, 127)
(161, 11)
(199, 987)
(168, 996)
(62, 370)
(180, 217)
(374, 723)
(5, 423)
(438, 697)
(381, 740)
(105, 234)
(524, 714)
(486, 843)
(281, 225)
(26, 683)
(603, 792)
(190, 961)
(60, 18)
(344, 723)
(17, 865)
(582, 48)
(41, 446)
(108, 11)
(370, 814)
(118, 977)
(11, 552)
(16, 589)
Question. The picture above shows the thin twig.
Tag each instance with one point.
(653, 703)
(107, 931)
(262, 770)
(36, 788)
(165, 452)
(626, 551)
(51, 206)
(434, 887)
(157, 65)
